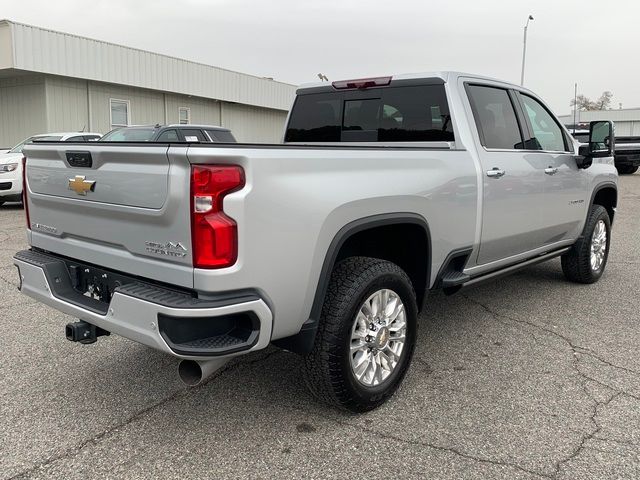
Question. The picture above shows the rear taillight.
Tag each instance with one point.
(24, 191)
(214, 235)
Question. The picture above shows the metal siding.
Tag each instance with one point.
(631, 114)
(146, 106)
(56, 53)
(203, 111)
(6, 46)
(66, 103)
(251, 124)
(623, 129)
(22, 111)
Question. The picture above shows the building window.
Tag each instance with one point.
(119, 112)
(184, 115)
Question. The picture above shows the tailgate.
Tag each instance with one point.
(121, 207)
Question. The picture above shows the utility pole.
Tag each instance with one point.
(524, 48)
(575, 106)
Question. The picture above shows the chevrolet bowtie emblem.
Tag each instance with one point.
(80, 185)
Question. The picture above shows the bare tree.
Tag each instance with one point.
(604, 102)
(582, 102)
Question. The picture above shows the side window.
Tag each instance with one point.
(184, 115)
(221, 136)
(77, 138)
(495, 117)
(119, 110)
(91, 138)
(193, 135)
(546, 130)
(168, 136)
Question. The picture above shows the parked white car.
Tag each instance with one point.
(11, 161)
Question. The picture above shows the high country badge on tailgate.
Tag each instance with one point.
(171, 249)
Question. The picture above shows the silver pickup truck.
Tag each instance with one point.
(326, 245)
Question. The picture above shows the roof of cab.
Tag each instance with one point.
(64, 134)
(445, 76)
(178, 125)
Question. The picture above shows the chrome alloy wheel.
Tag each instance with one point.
(377, 337)
(598, 245)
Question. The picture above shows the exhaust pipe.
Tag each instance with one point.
(194, 372)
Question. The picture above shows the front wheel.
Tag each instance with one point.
(586, 260)
(366, 335)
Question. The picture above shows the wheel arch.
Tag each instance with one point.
(605, 194)
(348, 242)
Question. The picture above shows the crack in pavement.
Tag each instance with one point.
(75, 450)
(589, 435)
(617, 442)
(441, 448)
(576, 350)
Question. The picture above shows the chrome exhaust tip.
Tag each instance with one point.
(194, 372)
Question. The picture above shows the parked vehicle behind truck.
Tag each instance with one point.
(11, 162)
(327, 245)
(170, 133)
(627, 153)
(627, 158)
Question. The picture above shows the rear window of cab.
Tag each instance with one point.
(389, 114)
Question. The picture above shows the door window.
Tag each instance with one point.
(168, 136)
(223, 136)
(546, 131)
(495, 117)
(192, 135)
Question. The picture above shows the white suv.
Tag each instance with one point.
(11, 162)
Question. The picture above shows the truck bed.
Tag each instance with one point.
(295, 197)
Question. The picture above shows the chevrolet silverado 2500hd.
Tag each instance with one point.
(325, 245)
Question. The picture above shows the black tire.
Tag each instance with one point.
(327, 369)
(626, 169)
(1, 202)
(576, 264)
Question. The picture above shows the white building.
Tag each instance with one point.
(52, 81)
(627, 120)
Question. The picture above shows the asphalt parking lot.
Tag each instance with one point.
(525, 377)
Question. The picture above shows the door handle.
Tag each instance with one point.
(495, 173)
(551, 170)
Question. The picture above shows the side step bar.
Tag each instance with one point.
(508, 270)
(453, 279)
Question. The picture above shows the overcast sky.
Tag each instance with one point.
(592, 43)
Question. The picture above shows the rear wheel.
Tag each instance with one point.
(366, 335)
(587, 259)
